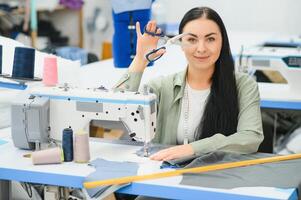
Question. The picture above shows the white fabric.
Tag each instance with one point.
(197, 101)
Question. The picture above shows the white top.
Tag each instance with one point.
(192, 110)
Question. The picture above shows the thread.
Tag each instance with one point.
(47, 156)
(24, 59)
(81, 147)
(68, 144)
(50, 71)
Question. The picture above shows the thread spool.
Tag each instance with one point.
(68, 144)
(81, 147)
(50, 71)
(47, 156)
(0, 59)
(23, 66)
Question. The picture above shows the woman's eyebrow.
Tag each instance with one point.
(192, 34)
(210, 34)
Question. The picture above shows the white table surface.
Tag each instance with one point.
(13, 166)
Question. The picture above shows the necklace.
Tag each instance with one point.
(186, 114)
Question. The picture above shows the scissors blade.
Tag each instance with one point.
(163, 41)
(175, 39)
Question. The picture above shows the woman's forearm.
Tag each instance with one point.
(138, 64)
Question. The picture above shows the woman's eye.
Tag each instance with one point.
(211, 39)
(192, 40)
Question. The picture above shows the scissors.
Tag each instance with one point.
(167, 41)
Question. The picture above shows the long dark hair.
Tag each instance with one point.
(221, 111)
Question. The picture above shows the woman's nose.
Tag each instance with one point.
(201, 47)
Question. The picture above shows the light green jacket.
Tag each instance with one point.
(170, 90)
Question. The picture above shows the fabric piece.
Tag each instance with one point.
(293, 142)
(2, 142)
(284, 174)
(152, 149)
(130, 5)
(73, 53)
(107, 170)
(178, 163)
(72, 4)
(169, 91)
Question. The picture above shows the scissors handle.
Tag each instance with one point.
(147, 56)
(154, 33)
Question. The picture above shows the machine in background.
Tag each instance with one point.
(277, 124)
(287, 61)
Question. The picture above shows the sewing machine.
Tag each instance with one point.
(292, 41)
(46, 111)
(285, 60)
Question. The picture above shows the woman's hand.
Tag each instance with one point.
(173, 152)
(146, 42)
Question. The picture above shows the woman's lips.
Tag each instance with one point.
(201, 58)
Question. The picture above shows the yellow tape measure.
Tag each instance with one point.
(129, 179)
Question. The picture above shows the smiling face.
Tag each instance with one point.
(203, 45)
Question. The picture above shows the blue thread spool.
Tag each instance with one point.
(24, 59)
(68, 144)
(0, 59)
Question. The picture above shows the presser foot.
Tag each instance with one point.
(146, 150)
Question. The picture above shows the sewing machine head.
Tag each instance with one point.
(51, 109)
(285, 60)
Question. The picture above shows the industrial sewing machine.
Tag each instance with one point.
(292, 41)
(285, 60)
(45, 112)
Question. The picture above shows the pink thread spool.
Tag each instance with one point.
(81, 147)
(50, 71)
(47, 156)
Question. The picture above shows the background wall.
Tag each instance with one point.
(248, 17)
(245, 17)
(281, 16)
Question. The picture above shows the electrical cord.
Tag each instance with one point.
(27, 188)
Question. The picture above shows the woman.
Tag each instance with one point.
(207, 107)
